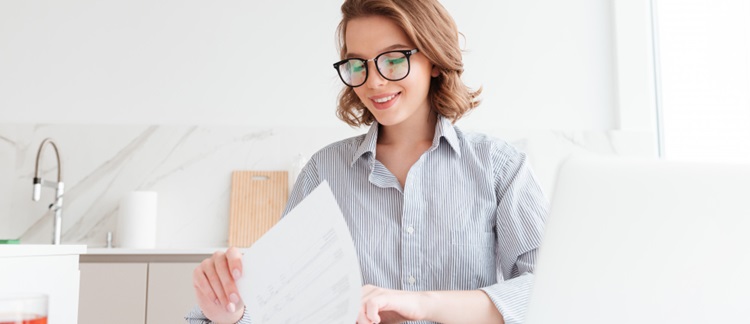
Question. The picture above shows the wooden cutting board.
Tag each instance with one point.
(257, 200)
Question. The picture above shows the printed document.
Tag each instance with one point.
(305, 268)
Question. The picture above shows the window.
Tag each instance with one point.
(703, 69)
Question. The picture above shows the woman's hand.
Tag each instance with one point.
(387, 306)
(214, 283)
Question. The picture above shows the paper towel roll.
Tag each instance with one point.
(136, 221)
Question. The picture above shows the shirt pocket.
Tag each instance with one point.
(472, 259)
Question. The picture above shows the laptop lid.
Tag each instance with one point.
(645, 241)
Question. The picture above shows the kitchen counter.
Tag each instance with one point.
(148, 255)
(23, 250)
(48, 269)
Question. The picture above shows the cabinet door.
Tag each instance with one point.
(170, 292)
(54, 275)
(113, 293)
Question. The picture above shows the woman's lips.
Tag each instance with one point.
(381, 102)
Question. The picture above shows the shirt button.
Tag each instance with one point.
(412, 280)
(410, 230)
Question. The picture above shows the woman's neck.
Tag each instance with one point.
(413, 131)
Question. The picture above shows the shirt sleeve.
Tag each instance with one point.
(195, 316)
(520, 215)
(306, 182)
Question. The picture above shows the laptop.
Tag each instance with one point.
(645, 241)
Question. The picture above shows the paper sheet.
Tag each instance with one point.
(304, 269)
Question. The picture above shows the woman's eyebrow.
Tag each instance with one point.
(392, 47)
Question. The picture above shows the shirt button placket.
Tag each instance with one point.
(410, 246)
(411, 218)
(410, 243)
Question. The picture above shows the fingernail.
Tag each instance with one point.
(236, 274)
(216, 301)
(234, 298)
(231, 308)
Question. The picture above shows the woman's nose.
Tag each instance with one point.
(374, 79)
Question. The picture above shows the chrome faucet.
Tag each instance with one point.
(58, 186)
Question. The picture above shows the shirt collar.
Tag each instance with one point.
(368, 144)
(444, 128)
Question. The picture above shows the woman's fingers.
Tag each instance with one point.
(362, 317)
(209, 268)
(216, 289)
(203, 287)
(368, 312)
(234, 260)
(381, 305)
(372, 308)
(227, 283)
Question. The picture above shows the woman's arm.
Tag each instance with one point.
(394, 306)
(461, 306)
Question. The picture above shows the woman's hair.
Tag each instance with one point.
(429, 26)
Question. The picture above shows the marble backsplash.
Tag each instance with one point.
(190, 168)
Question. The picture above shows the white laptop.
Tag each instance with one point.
(645, 241)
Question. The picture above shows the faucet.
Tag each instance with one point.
(58, 186)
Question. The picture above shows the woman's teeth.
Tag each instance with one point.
(382, 100)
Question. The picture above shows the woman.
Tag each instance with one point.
(446, 224)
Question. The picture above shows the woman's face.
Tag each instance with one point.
(391, 102)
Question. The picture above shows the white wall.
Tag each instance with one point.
(249, 84)
(544, 64)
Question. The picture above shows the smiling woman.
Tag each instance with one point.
(162, 84)
(439, 46)
(446, 224)
(371, 37)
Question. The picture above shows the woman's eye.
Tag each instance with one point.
(357, 68)
(396, 61)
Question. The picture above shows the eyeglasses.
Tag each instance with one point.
(392, 65)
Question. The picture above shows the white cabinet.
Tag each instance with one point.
(48, 269)
(170, 292)
(138, 286)
(113, 293)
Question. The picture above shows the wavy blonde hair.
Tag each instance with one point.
(429, 26)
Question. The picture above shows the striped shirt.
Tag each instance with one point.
(470, 216)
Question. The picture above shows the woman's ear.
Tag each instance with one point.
(435, 71)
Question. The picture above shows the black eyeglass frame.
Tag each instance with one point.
(407, 53)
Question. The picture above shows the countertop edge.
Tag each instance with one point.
(158, 251)
(29, 250)
(124, 255)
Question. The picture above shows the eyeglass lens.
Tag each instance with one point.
(392, 66)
